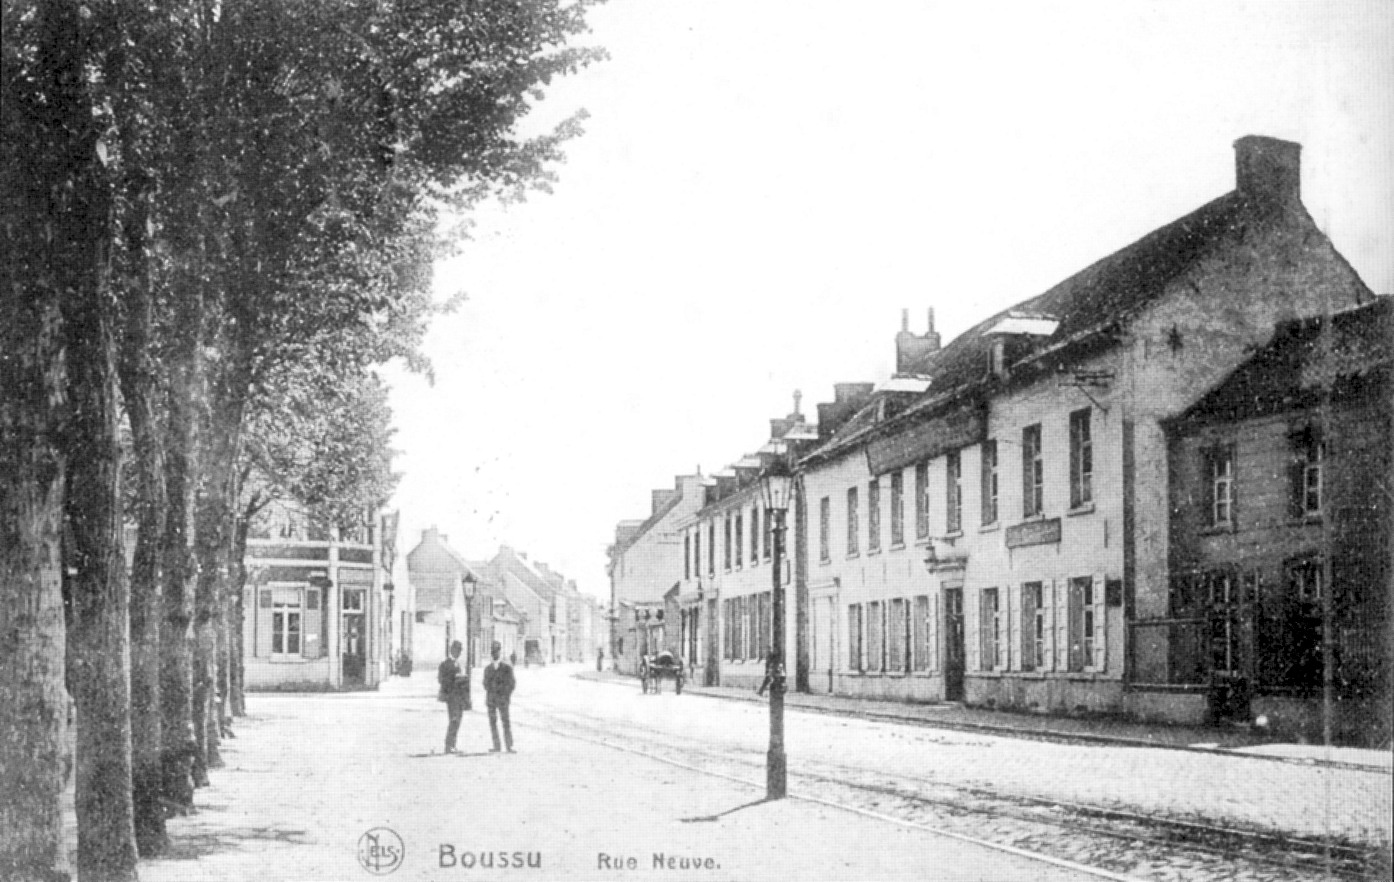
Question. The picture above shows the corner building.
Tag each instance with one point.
(988, 525)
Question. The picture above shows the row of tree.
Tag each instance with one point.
(217, 218)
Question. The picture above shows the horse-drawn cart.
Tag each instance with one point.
(654, 669)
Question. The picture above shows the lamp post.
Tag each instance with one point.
(470, 585)
(776, 484)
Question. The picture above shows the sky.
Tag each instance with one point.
(764, 185)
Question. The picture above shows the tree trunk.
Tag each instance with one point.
(213, 545)
(237, 699)
(98, 647)
(138, 385)
(34, 761)
(98, 652)
(176, 635)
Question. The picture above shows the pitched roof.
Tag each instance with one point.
(1291, 370)
(1089, 306)
(648, 523)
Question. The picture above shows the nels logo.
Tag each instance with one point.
(380, 851)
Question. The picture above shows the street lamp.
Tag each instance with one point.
(776, 485)
(470, 585)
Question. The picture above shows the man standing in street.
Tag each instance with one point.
(498, 691)
(454, 682)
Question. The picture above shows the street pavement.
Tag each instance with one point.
(353, 786)
(1097, 728)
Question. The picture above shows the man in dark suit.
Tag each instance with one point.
(454, 682)
(498, 691)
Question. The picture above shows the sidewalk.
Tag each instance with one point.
(949, 715)
(343, 787)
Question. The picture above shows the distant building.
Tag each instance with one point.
(644, 565)
(317, 609)
(1280, 490)
(437, 573)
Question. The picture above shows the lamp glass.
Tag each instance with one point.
(775, 487)
(470, 582)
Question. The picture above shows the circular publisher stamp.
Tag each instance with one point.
(381, 851)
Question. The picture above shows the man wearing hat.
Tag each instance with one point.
(454, 682)
(498, 691)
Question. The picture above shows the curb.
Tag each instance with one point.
(1007, 731)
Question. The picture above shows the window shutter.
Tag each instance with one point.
(1061, 620)
(309, 630)
(972, 642)
(1297, 502)
(263, 641)
(1014, 625)
(1025, 637)
(1100, 659)
(1205, 499)
(933, 646)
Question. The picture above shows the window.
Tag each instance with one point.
(711, 548)
(697, 552)
(854, 637)
(825, 518)
(754, 535)
(875, 637)
(897, 508)
(1033, 626)
(1081, 460)
(988, 626)
(873, 515)
(919, 635)
(726, 541)
(1032, 472)
(922, 500)
(1219, 469)
(769, 534)
(762, 649)
(1308, 479)
(285, 626)
(687, 555)
(727, 635)
(1296, 633)
(897, 639)
(852, 526)
(740, 539)
(953, 493)
(989, 494)
(1086, 624)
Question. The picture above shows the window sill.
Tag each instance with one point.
(953, 534)
(897, 546)
(873, 552)
(854, 555)
(1306, 520)
(990, 528)
(1086, 508)
(824, 561)
(1035, 516)
(1216, 529)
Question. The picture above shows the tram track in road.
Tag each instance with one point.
(1114, 840)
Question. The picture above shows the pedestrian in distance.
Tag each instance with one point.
(600, 659)
(454, 682)
(498, 692)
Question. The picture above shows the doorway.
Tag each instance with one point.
(355, 654)
(953, 644)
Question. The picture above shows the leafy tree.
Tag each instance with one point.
(252, 180)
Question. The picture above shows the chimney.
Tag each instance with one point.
(911, 350)
(848, 398)
(1268, 169)
(661, 498)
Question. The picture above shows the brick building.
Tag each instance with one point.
(1280, 486)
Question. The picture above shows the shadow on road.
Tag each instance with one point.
(719, 815)
(191, 846)
(456, 755)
